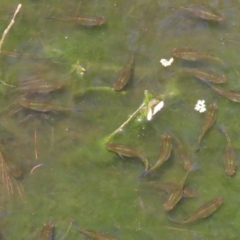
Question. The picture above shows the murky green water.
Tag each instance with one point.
(78, 178)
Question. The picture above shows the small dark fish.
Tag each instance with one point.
(205, 75)
(47, 232)
(84, 21)
(13, 168)
(123, 76)
(165, 152)
(127, 151)
(193, 55)
(187, 164)
(209, 120)
(169, 187)
(204, 211)
(92, 234)
(42, 106)
(229, 159)
(229, 94)
(175, 196)
(39, 86)
(205, 13)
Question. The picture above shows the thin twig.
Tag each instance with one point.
(35, 144)
(9, 26)
(67, 231)
(127, 121)
(35, 167)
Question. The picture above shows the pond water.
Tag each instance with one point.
(66, 172)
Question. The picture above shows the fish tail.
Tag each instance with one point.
(224, 131)
(144, 173)
(194, 166)
(175, 221)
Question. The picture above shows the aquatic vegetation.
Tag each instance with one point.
(85, 179)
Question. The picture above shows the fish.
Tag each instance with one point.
(209, 120)
(169, 187)
(92, 234)
(165, 152)
(39, 86)
(232, 95)
(12, 167)
(229, 159)
(205, 13)
(123, 76)
(42, 106)
(83, 20)
(202, 212)
(190, 54)
(175, 196)
(206, 75)
(127, 151)
(47, 232)
(187, 164)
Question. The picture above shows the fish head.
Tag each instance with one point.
(230, 170)
(168, 206)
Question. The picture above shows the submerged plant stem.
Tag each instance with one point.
(9, 26)
(127, 121)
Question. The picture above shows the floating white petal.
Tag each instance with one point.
(166, 62)
(156, 109)
(200, 106)
(149, 115)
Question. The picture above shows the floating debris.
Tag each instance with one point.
(166, 62)
(154, 106)
(200, 106)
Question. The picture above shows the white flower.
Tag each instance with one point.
(200, 106)
(153, 110)
(166, 62)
